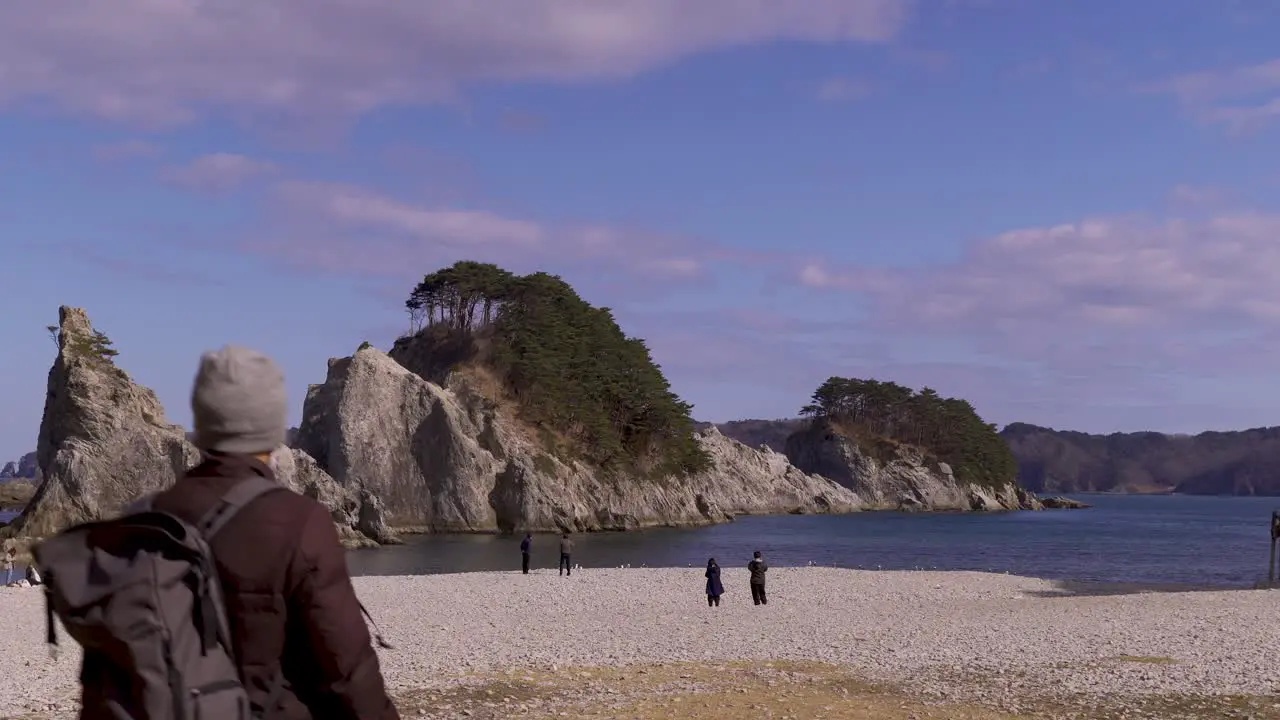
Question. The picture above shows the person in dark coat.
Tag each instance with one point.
(758, 568)
(301, 643)
(714, 587)
(525, 546)
(566, 552)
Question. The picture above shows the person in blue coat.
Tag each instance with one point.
(714, 587)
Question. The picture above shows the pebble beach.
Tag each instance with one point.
(999, 641)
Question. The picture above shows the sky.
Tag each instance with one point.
(1064, 212)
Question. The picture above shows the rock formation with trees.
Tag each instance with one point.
(898, 447)
(567, 365)
(514, 405)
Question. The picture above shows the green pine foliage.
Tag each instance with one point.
(96, 348)
(570, 369)
(949, 429)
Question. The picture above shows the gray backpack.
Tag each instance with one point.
(141, 595)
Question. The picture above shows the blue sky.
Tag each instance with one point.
(1064, 212)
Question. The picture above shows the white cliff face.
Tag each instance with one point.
(904, 480)
(449, 459)
(105, 441)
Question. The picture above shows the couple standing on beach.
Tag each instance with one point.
(715, 588)
(566, 553)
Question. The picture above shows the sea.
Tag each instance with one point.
(1171, 541)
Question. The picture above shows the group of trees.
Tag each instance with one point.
(567, 364)
(465, 296)
(948, 428)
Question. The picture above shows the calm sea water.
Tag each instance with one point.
(1149, 540)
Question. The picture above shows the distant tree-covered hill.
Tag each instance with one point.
(1246, 462)
(873, 411)
(754, 433)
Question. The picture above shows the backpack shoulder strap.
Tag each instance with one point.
(233, 501)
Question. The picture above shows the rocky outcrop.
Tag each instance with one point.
(358, 513)
(16, 493)
(899, 478)
(447, 458)
(25, 468)
(1064, 503)
(105, 441)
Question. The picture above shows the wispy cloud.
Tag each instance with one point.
(1156, 293)
(218, 172)
(126, 150)
(157, 62)
(1192, 197)
(521, 121)
(345, 229)
(363, 210)
(1241, 99)
(844, 89)
(1243, 119)
(1211, 85)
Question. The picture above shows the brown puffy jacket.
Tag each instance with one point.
(292, 608)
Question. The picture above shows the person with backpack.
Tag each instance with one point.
(526, 545)
(758, 568)
(257, 616)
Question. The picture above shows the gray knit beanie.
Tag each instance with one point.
(238, 402)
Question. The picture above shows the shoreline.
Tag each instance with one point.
(992, 639)
(1067, 586)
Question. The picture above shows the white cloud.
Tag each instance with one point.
(218, 172)
(843, 89)
(157, 61)
(1148, 289)
(360, 209)
(347, 229)
(1242, 99)
(1210, 85)
(126, 150)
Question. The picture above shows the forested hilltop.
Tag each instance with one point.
(1245, 462)
(881, 415)
(591, 391)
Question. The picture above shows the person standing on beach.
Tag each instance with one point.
(715, 588)
(525, 546)
(566, 551)
(758, 568)
(10, 555)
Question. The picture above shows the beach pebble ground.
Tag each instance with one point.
(941, 633)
